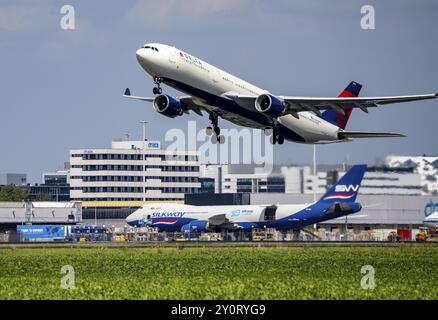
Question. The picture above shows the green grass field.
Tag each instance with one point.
(220, 273)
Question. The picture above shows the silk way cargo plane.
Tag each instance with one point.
(220, 94)
(339, 201)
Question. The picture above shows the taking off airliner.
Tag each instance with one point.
(222, 95)
(339, 201)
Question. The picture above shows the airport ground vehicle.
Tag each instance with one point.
(263, 234)
(427, 234)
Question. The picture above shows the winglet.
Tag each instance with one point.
(127, 92)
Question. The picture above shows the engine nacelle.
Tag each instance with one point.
(270, 105)
(167, 106)
(195, 226)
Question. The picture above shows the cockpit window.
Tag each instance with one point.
(152, 48)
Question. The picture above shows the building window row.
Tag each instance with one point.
(105, 167)
(133, 178)
(128, 199)
(135, 156)
(179, 179)
(137, 189)
(175, 168)
(121, 167)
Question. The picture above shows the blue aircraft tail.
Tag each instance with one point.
(337, 118)
(347, 188)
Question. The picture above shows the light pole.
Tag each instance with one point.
(144, 158)
(315, 183)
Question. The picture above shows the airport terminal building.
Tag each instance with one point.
(132, 171)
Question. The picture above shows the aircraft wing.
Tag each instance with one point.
(127, 94)
(296, 104)
(316, 105)
(187, 102)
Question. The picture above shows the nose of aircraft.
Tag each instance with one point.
(141, 54)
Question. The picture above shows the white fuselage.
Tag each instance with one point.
(241, 213)
(200, 79)
(172, 217)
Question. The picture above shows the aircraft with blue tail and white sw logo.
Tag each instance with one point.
(339, 201)
(222, 95)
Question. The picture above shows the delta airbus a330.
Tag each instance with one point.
(220, 94)
(339, 201)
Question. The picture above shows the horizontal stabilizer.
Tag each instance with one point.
(357, 134)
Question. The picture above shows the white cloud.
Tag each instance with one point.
(170, 12)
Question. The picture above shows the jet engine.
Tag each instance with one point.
(167, 106)
(197, 226)
(270, 105)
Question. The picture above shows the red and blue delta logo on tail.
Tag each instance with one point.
(337, 118)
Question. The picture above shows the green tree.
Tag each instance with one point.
(12, 193)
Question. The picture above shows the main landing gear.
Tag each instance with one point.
(276, 136)
(214, 131)
(157, 89)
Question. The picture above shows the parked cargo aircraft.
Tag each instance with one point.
(339, 201)
(222, 95)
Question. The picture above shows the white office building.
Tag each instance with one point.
(300, 179)
(426, 166)
(243, 178)
(133, 171)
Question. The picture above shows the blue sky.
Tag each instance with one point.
(62, 89)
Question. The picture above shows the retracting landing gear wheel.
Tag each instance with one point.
(214, 129)
(217, 139)
(157, 89)
(280, 139)
(221, 139)
(276, 136)
(273, 139)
